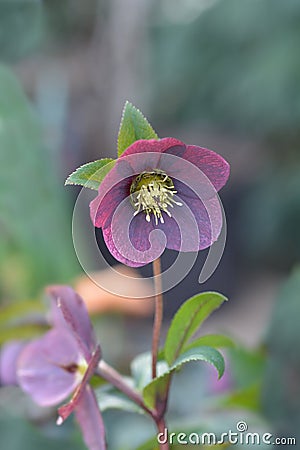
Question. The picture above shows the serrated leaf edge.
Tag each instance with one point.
(68, 182)
(200, 306)
(127, 103)
(176, 366)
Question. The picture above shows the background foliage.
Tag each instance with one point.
(224, 74)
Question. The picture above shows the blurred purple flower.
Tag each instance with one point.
(217, 385)
(9, 354)
(160, 185)
(61, 362)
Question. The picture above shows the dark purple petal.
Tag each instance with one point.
(194, 226)
(46, 367)
(203, 170)
(151, 149)
(142, 155)
(213, 166)
(104, 205)
(208, 218)
(89, 417)
(108, 238)
(65, 410)
(190, 228)
(207, 214)
(133, 245)
(76, 317)
(8, 362)
(169, 234)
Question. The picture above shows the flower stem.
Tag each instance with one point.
(162, 429)
(158, 315)
(109, 374)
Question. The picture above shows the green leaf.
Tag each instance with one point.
(247, 366)
(248, 398)
(18, 310)
(150, 444)
(187, 321)
(207, 354)
(134, 126)
(16, 322)
(97, 382)
(35, 213)
(118, 401)
(211, 340)
(90, 175)
(156, 391)
(21, 332)
(109, 397)
(141, 369)
(20, 433)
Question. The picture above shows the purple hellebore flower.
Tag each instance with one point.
(9, 354)
(61, 362)
(161, 186)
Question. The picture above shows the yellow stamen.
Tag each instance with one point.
(152, 193)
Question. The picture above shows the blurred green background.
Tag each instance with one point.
(223, 74)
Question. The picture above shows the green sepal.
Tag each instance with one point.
(91, 175)
(134, 126)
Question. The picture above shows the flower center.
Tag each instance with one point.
(153, 193)
(78, 369)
